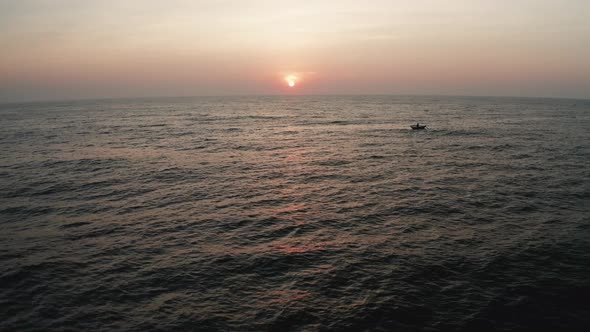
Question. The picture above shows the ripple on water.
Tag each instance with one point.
(295, 214)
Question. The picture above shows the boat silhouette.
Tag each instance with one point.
(418, 126)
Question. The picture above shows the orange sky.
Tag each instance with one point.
(69, 49)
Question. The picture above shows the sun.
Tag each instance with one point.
(291, 80)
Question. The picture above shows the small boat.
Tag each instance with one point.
(417, 126)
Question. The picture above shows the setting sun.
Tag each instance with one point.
(291, 80)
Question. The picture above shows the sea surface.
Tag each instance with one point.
(295, 213)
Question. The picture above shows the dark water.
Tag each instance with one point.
(295, 214)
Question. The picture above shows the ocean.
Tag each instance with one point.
(295, 213)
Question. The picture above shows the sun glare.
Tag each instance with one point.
(291, 80)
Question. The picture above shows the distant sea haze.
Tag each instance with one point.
(299, 213)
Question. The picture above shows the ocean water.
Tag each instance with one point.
(295, 214)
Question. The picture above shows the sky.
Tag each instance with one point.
(76, 49)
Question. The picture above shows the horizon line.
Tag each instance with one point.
(62, 100)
